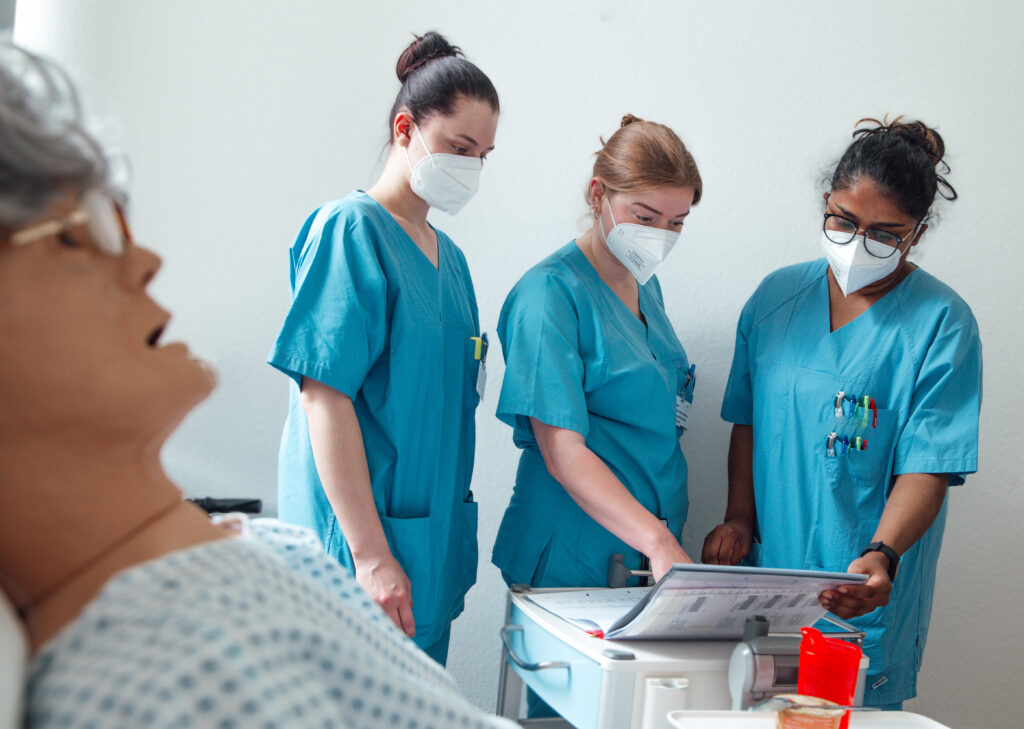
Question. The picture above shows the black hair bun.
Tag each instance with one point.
(423, 50)
(914, 131)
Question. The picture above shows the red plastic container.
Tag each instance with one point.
(828, 669)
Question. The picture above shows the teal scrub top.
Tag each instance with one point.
(372, 318)
(577, 358)
(917, 354)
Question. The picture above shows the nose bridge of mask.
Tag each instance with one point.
(647, 235)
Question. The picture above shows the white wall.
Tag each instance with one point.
(240, 116)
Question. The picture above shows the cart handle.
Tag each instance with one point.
(506, 640)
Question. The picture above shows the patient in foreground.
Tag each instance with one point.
(140, 610)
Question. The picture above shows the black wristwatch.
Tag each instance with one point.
(894, 559)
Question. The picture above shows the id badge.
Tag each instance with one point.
(684, 400)
(682, 411)
(481, 379)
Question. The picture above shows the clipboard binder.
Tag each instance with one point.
(700, 602)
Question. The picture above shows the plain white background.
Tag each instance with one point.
(241, 116)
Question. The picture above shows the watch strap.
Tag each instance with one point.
(894, 558)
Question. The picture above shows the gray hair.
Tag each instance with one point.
(45, 150)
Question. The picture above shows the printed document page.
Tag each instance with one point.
(699, 602)
(594, 611)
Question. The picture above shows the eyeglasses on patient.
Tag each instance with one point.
(879, 243)
(102, 217)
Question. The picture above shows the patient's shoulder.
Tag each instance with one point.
(225, 633)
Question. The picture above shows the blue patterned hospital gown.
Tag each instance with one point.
(262, 631)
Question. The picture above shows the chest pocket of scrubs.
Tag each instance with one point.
(471, 365)
(868, 466)
(685, 383)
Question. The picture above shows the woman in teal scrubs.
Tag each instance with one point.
(596, 383)
(855, 391)
(377, 450)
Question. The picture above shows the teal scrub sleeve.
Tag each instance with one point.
(941, 434)
(738, 402)
(539, 332)
(336, 327)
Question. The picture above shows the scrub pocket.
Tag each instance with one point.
(867, 466)
(411, 543)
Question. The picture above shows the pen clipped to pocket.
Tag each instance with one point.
(480, 345)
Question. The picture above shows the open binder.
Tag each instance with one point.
(699, 602)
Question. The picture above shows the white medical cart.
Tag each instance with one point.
(603, 684)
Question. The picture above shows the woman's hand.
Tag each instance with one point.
(851, 601)
(663, 559)
(728, 542)
(387, 585)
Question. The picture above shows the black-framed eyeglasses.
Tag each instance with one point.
(879, 243)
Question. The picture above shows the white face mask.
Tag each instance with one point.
(444, 181)
(640, 248)
(855, 268)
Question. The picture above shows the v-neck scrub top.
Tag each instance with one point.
(917, 354)
(577, 358)
(372, 318)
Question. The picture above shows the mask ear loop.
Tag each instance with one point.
(911, 235)
(423, 142)
(600, 216)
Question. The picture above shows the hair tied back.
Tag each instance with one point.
(629, 119)
(915, 131)
(904, 157)
(426, 48)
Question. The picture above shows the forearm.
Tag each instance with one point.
(741, 475)
(597, 491)
(340, 457)
(913, 505)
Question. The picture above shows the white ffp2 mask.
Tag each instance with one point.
(855, 268)
(444, 181)
(640, 248)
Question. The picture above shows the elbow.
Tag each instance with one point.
(558, 462)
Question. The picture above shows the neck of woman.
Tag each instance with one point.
(392, 191)
(75, 515)
(608, 267)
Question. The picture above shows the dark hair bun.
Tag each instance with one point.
(422, 51)
(915, 132)
(904, 158)
(629, 119)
